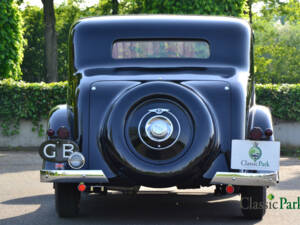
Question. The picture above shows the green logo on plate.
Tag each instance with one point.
(271, 197)
(255, 152)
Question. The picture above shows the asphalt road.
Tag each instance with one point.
(24, 200)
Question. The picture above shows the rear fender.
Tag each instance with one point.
(260, 116)
(59, 116)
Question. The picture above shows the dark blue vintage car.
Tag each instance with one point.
(160, 101)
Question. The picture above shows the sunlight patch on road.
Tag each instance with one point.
(11, 211)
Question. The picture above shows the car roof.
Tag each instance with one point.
(93, 37)
(129, 20)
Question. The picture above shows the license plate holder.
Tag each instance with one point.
(255, 155)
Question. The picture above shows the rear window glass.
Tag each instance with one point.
(133, 49)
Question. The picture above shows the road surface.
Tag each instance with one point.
(24, 200)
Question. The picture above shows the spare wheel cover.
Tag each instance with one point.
(146, 152)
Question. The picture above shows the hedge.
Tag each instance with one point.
(283, 99)
(29, 101)
(33, 101)
(235, 8)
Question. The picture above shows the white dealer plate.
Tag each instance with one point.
(255, 155)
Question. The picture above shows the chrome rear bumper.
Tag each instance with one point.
(246, 179)
(87, 176)
(97, 176)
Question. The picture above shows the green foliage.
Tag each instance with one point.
(107, 7)
(65, 17)
(197, 7)
(33, 66)
(284, 11)
(29, 101)
(283, 99)
(11, 40)
(277, 52)
(66, 14)
(277, 46)
(131, 6)
(277, 42)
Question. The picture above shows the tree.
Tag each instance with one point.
(11, 40)
(250, 11)
(108, 7)
(33, 65)
(277, 42)
(50, 41)
(282, 10)
(115, 7)
(65, 14)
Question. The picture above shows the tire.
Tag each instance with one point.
(253, 202)
(67, 199)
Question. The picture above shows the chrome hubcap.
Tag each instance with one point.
(159, 128)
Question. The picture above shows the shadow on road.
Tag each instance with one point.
(145, 208)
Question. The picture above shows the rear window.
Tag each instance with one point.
(134, 49)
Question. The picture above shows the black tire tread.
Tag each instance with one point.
(67, 199)
(258, 196)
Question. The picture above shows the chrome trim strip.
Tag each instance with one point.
(88, 176)
(247, 179)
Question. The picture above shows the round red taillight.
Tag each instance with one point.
(50, 132)
(63, 133)
(256, 133)
(81, 187)
(229, 189)
(268, 132)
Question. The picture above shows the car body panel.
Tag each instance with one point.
(224, 82)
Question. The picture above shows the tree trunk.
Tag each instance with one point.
(50, 41)
(250, 2)
(115, 7)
